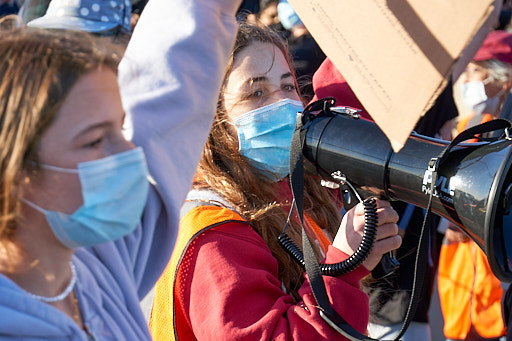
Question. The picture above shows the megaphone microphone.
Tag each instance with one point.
(473, 189)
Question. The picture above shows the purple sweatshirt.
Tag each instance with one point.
(170, 78)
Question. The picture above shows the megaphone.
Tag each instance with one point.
(473, 188)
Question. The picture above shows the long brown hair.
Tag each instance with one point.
(253, 194)
(38, 68)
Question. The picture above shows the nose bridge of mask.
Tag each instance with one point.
(265, 111)
(269, 118)
(104, 173)
(265, 135)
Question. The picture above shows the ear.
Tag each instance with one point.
(22, 184)
(21, 181)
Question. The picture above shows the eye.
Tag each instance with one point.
(289, 88)
(255, 94)
(94, 143)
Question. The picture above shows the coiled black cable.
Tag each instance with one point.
(359, 256)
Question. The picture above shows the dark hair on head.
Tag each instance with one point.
(39, 68)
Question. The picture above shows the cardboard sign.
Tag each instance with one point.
(397, 55)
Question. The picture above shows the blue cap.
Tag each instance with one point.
(287, 15)
(92, 16)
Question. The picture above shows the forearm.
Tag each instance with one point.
(169, 79)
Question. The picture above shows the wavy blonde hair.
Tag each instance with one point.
(252, 193)
(38, 68)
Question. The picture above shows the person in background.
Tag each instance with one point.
(306, 54)
(83, 233)
(487, 80)
(470, 294)
(229, 279)
(105, 18)
(266, 16)
(390, 296)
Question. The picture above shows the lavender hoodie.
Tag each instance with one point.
(169, 78)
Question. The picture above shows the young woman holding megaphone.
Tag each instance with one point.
(229, 278)
(84, 234)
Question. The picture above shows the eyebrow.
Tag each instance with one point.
(98, 125)
(253, 80)
(286, 75)
(91, 128)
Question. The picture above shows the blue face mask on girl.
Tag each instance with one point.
(114, 191)
(265, 134)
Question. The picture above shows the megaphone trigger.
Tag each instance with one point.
(388, 264)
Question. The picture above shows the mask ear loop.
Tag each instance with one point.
(58, 169)
(53, 168)
(34, 206)
(488, 80)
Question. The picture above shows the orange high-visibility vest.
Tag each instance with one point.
(471, 120)
(168, 320)
(469, 293)
(166, 316)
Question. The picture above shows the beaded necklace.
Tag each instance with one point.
(60, 296)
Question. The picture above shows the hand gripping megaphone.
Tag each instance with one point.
(473, 189)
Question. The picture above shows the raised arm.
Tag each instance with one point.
(170, 78)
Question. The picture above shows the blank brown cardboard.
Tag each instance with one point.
(398, 54)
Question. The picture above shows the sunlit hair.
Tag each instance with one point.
(251, 192)
(38, 69)
(497, 70)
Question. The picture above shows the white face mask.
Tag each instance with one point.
(475, 97)
(473, 93)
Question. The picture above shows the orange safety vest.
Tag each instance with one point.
(471, 120)
(469, 293)
(166, 316)
(168, 320)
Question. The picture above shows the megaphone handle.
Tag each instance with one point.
(387, 265)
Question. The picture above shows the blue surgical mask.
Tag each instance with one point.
(114, 191)
(265, 135)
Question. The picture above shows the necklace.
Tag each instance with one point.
(76, 314)
(60, 296)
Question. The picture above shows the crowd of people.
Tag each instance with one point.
(145, 181)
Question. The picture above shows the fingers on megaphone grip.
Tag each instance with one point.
(387, 230)
(385, 212)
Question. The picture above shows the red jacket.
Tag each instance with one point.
(227, 288)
